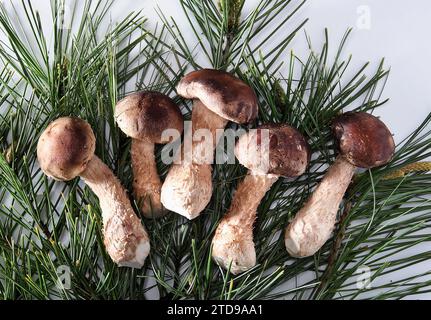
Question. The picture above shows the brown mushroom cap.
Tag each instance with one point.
(145, 115)
(222, 93)
(363, 139)
(289, 152)
(65, 148)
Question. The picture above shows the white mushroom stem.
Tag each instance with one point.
(233, 240)
(314, 223)
(187, 189)
(204, 118)
(125, 238)
(146, 180)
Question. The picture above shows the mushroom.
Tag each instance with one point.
(218, 97)
(144, 116)
(66, 150)
(287, 155)
(364, 142)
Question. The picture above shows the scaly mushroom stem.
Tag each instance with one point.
(146, 180)
(144, 116)
(204, 118)
(233, 240)
(187, 189)
(125, 238)
(314, 223)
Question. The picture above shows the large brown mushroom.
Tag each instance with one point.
(66, 150)
(364, 142)
(219, 97)
(144, 116)
(270, 152)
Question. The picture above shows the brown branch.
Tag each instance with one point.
(335, 247)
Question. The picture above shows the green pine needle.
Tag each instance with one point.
(45, 225)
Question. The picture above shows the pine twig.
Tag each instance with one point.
(234, 15)
(335, 247)
(307, 97)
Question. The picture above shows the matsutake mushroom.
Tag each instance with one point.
(66, 150)
(364, 142)
(219, 97)
(144, 116)
(270, 152)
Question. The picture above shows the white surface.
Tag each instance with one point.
(399, 31)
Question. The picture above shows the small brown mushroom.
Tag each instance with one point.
(144, 116)
(287, 155)
(218, 97)
(66, 150)
(364, 142)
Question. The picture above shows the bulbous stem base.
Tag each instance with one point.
(233, 240)
(125, 238)
(187, 189)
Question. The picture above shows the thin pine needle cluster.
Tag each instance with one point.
(45, 225)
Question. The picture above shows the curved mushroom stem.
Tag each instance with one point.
(125, 238)
(313, 224)
(233, 240)
(146, 180)
(187, 189)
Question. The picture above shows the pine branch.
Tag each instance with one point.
(335, 247)
(45, 225)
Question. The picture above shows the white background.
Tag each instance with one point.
(399, 31)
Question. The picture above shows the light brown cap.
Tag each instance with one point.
(363, 139)
(289, 152)
(145, 115)
(222, 93)
(65, 148)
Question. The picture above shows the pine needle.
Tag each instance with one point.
(47, 226)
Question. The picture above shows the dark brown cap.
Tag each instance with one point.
(289, 152)
(145, 115)
(363, 139)
(222, 93)
(65, 148)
